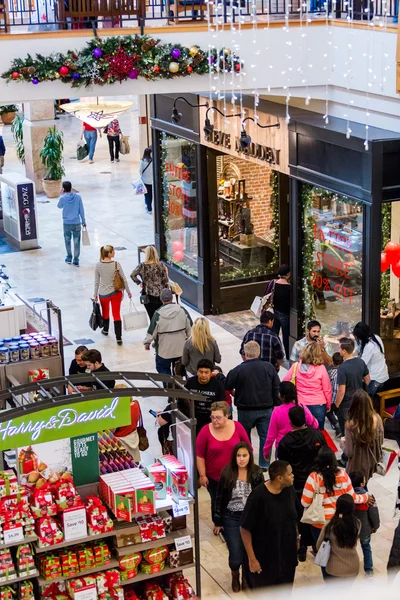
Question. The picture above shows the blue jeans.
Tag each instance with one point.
(373, 387)
(165, 366)
(319, 412)
(91, 140)
(231, 525)
(72, 231)
(260, 420)
(148, 197)
(367, 552)
(282, 321)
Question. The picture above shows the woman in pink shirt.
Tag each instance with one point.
(214, 446)
(312, 382)
(279, 424)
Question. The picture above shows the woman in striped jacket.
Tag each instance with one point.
(330, 481)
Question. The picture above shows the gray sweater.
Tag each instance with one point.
(104, 278)
(191, 355)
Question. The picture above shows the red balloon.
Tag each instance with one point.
(385, 263)
(396, 268)
(392, 250)
(177, 245)
(178, 256)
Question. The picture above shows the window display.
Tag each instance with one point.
(179, 178)
(390, 272)
(245, 219)
(332, 262)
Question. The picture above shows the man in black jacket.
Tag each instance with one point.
(256, 386)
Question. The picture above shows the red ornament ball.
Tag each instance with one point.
(15, 75)
(385, 263)
(189, 69)
(177, 245)
(156, 69)
(178, 256)
(237, 67)
(64, 71)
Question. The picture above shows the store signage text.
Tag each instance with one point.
(26, 205)
(175, 192)
(327, 285)
(264, 153)
(57, 423)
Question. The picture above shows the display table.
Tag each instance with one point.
(12, 315)
(240, 256)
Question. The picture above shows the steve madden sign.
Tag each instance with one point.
(56, 423)
(264, 153)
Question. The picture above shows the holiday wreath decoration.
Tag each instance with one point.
(117, 59)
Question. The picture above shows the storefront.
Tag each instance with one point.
(341, 218)
(221, 210)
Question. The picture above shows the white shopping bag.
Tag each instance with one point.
(85, 237)
(134, 319)
(256, 306)
(138, 187)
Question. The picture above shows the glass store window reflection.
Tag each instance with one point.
(336, 263)
(179, 180)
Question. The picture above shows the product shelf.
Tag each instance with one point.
(33, 575)
(88, 538)
(111, 565)
(166, 571)
(26, 540)
(169, 539)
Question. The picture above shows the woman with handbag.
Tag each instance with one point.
(146, 173)
(323, 487)
(200, 345)
(281, 304)
(340, 558)
(363, 436)
(109, 285)
(128, 435)
(113, 131)
(153, 279)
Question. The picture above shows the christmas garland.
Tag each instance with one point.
(275, 220)
(386, 235)
(308, 223)
(117, 59)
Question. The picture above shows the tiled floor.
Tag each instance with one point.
(115, 216)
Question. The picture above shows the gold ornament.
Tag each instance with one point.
(227, 52)
(193, 50)
(56, 75)
(173, 67)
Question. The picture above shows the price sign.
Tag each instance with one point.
(75, 525)
(181, 509)
(89, 592)
(11, 536)
(183, 543)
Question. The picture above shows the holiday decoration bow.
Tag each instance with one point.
(52, 590)
(112, 579)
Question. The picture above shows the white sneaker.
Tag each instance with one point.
(91, 162)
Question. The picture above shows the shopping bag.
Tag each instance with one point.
(82, 150)
(85, 237)
(124, 147)
(138, 187)
(256, 306)
(323, 554)
(388, 458)
(96, 320)
(134, 319)
(315, 513)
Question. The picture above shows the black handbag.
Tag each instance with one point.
(96, 320)
(144, 298)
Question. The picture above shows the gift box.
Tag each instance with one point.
(25, 561)
(150, 569)
(102, 554)
(180, 587)
(155, 556)
(27, 461)
(107, 581)
(8, 483)
(157, 473)
(50, 566)
(152, 591)
(26, 591)
(129, 574)
(85, 558)
(177, 477)
(129, 537)
(69, 563)
(107, 525)
(7, 593)
(128, 565)
(151, 527)
(65, 495)
(38, 374)
(116, 594)
(48, 532)
(80, 583)
(55, 591)
(97, 515)
(42, 502)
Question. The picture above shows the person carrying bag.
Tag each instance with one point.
(146, 173)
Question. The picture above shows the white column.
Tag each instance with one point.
(39, 117)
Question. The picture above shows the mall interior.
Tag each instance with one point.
(275, 140)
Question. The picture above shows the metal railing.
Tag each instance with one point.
(48, 15)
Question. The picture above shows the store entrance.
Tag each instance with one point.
(248, 219)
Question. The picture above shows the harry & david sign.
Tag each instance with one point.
(59, 422)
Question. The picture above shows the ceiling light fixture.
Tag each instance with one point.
(208, 126)
(177, 116)
(245, 139)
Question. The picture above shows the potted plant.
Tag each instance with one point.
(18, 135)
(52, 159)
(7, 113)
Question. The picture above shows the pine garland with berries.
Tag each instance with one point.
(105, 61)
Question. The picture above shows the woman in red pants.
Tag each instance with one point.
(105, 291)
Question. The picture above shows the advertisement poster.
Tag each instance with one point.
(26, 209)
(184, 453)
(85, 459)
(39, 464)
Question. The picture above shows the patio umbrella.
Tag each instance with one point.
(97, 114)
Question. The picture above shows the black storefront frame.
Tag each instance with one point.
(373, 191)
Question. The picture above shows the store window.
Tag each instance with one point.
(390, 283)
(332, 262)
(248, 220)
(179, 180)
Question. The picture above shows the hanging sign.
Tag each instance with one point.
(85, 459)
(65, 421)
(26, 207)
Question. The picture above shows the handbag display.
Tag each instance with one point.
(134, 319)
(82, 150)
(323, 554)
(96, 320)
(138, 187)
(119, 283)
(124, 147)
(142, 433)
(315, 514)
(85, 237)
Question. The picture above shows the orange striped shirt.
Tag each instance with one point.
(315, 485)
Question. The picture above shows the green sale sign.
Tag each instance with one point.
(59, 422)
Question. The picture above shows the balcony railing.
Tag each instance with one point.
(21, 16)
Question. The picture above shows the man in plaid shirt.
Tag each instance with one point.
(269, 341)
